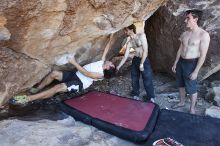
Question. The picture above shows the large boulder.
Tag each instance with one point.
(18, 72)
(166, 25)
(213, 111)
(43, 32)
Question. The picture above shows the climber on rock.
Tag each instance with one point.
(72, 81)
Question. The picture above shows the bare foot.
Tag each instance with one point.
(192, 111)
(178, 105)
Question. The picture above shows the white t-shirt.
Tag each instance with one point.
(92, 67)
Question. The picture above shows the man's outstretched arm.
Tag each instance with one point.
(107, 47)
(82, 70)
(127, 51)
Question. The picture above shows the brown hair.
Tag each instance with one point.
(108, 73)
(131, 27)
(195, 13)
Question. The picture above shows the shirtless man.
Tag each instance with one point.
(140, 63)
(190, 58)
(72, 81)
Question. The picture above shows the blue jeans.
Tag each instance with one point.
(146, 76)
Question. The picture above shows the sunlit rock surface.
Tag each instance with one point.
(46, 31)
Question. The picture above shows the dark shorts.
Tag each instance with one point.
(183, 70)
(72, 82)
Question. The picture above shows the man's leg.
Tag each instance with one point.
(48, 93)
(182, 93)
(191, 89)
(193, 103)
(54, 75)
(148, 79)
(181, 84)
(191, 85)
(135, 75)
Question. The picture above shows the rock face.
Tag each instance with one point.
(166, 25)
(214, 95)
(217, 95)
(41, 32)
(36, 35)
(213, 111)
(17, 72)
